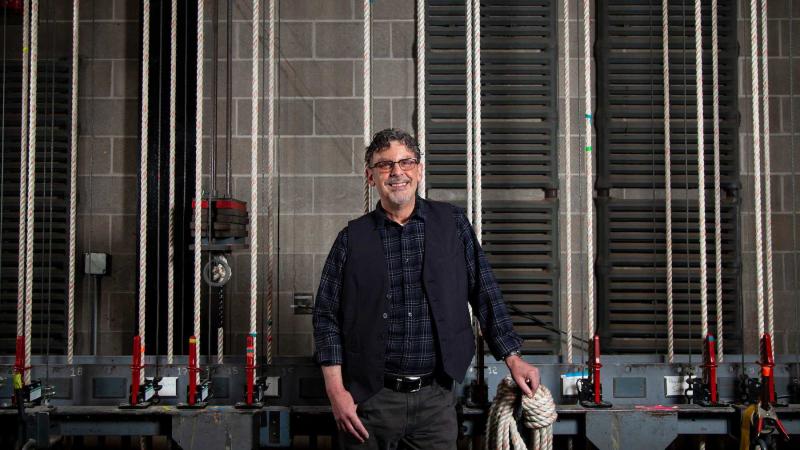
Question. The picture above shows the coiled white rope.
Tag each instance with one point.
(587, 79)
(538, 414)
(367, 95)
(173, 76)
(144, 127)
(568, 177)
(701, 167)
(198, 173)
(421, 89)
(470, 105)
(668, 179)
(254, 173)
(29, 208)
(23, 172)
(73, 178)
(757, 166)
(717, 195)
(770, 316)
(476, 43)
(271, 178)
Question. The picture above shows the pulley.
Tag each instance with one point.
(217, 272)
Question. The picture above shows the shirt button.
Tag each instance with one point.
(408, 259)
(409, 314)
(388, 296)
(385, 315)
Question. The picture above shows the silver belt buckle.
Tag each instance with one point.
(418, 380)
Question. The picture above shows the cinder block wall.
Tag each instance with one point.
(320, 149)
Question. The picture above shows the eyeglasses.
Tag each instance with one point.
(388, 166)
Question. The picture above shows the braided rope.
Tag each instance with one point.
(143, 174)
(367, 95)
(470, 105)
(270, 179)
(587, 78)
(421, 113)
(568, 177)
(770, 317)
(29, 209)
(173, 76)
(254, 173)
(198, 174)
(668, 179)
(477, 136)
(23, 172)
(701, 167)
(538, 413)
(717, 194)
(757, 167)
(73, 177)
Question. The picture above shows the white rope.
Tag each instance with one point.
(73, 178)
(173, 77)
(470, 105)
(143, 175)
(23, 172)
(757, 166)
(568, 177)
(254, 172)
(29, 209)
(587, 79)
(198, 173)
(476, 43)
(717, 194)
(770, 317)
(701, 166)
(421, 89)
(538, 414)
(367, 95)
(668, 179)
(271, 178)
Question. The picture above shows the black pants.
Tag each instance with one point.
(425, 419)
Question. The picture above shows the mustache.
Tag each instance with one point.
(399, 179)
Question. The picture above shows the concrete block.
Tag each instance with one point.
(381, 113)
(110, 307)
(404, 39)
(779, 76)
(126, 79)
(290, 322)
(94, 155)
(296, 273)
(339, 194)
(311, 233)
(393, 78)
(314, 155)
(97, 9)
(94, 80)
(316, 78)
(55, 38)
(338, 117)
(782, 232)
(115, 342)
(316, 9)
(295, 40)
(113, 40)
(381, 40)
(124, 9)
(389, 10)
(124, 274)
(339, 39)
(124, 235)
(125, 155)
(295, 344)
(404, 114)
(296, 194)
(112, 117)
(296, 117)
(118, 195)
(92, 233)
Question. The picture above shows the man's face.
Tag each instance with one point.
(397, 186)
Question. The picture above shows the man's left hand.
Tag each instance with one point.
(525, 375)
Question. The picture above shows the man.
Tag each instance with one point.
(391, 323)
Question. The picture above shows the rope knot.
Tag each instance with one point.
(538, 414)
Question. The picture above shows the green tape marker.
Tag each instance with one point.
(588, 148)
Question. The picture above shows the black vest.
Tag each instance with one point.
(365, 308)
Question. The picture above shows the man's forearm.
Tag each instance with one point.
(333, 379)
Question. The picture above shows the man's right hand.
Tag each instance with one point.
(344, 411)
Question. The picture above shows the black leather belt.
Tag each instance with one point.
(401, 383)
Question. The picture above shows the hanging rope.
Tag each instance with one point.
(271, 178)
(568, 176)
(476, 43)
(701, 166)
(469, 48)
(421, 89)
(143, 174)
(668, 179)
(538, 414)
(173, 76)
(770, 318)
(73, 179)
(198, 173)
(23, 172)
(367, 95)
(254, 175)
(587, 79)
(29, 207)
(757, 166)
(717, 194)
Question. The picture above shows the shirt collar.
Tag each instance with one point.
(420, 207)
